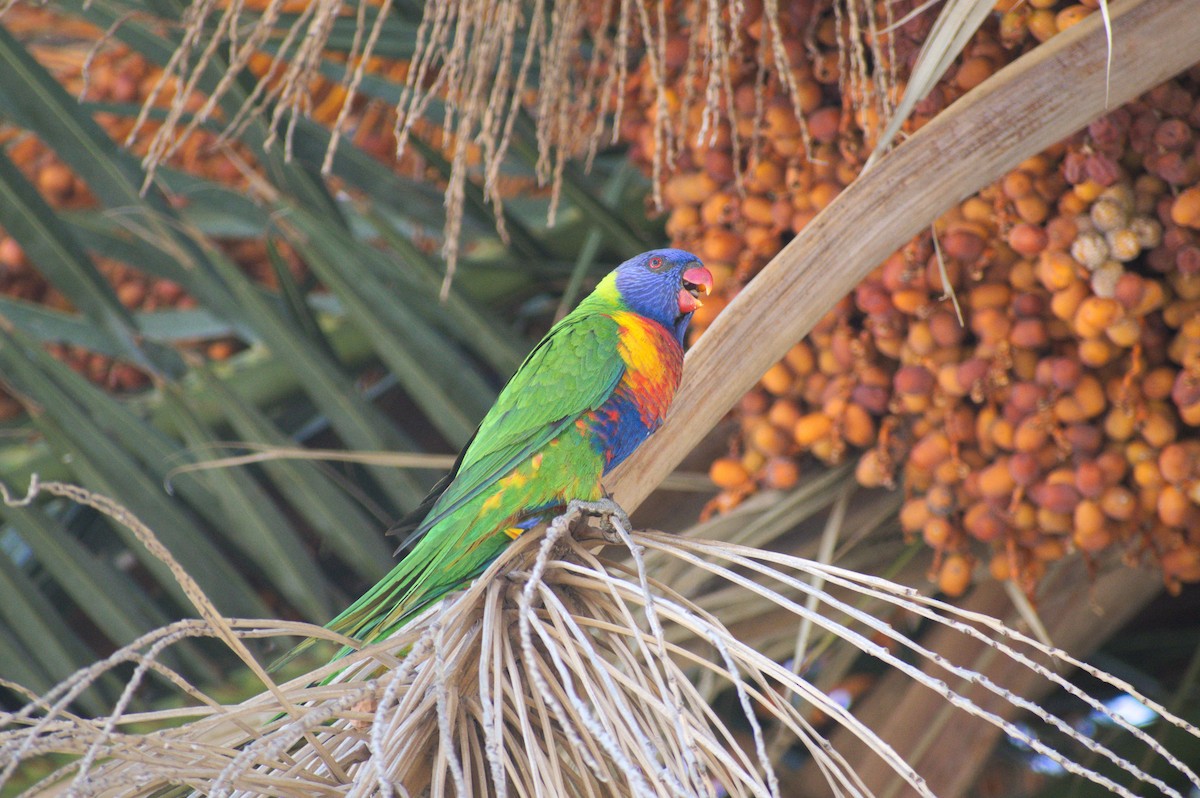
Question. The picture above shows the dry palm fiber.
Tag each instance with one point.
(558, 672)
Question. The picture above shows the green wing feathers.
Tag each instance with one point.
(499, 479)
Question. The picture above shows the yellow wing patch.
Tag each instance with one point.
(514, 480)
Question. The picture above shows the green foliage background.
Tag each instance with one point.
(285, 537)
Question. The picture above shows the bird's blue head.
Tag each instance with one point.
(664, 285)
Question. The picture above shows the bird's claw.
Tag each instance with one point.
(607, 511)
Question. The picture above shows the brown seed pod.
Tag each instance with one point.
(954, 577)
(911, 301)
(982, 523)
(858, 428)
(1185, 210)
(1033, 210)
(1065, 302)
(754, 403)
(914, 514)
(778, 380)
(1177, 462)
(972, 72)
(1023, 399)
(12, 257)
(1129, 289)
(1124, 332)
(800, 359)
(1071, 15)
(955, 471)
(972, 372)
(761, 241)
(1088, 516)
(1061, 232)
(220, 350)
(718, 209)
(989, 295)
(1146, 474)
(784, 413)
(948, 380)
(1112, 463)
(930, 450)
(1057, 497)
(1091, 533)
(1061, 373)
(765, 437)
(871, 298)
(1085, 402)
(56, 182)
(1123, 244)
(1031, 434)
(913, 381)
(873, 470)
(780, 473)
(823, 124)
(1108, 214)
(1027, 239)
(1017, 184)
(1029, 334)
(1174, 508)
(997, 481)
(131, 293)
(1181, 564)
(683, 222)
(728, 473)
(753, 461)
(1119, 503)
(759, 210)
(1158, 427)
(941, 500)
(689, 188)
(811, 428)
(999, 432)
(1024, 468)
(939, 533)
(1105, 278)
(1096, 352)
(1089, 479)
(718, 164)
(991, 325)
(871, 398)
(1083, 440)
(1094, 314)
(764, 177)
(719, 244)
(962, 245)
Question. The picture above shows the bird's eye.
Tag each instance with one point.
(656, 263)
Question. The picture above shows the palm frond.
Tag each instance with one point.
(558, 672)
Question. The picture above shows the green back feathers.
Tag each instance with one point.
(572, 371)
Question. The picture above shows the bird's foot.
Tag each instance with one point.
(607, 511)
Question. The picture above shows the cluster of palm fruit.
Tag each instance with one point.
(116, 74)
(1061, 413)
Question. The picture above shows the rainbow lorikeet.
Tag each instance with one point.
(588, 394)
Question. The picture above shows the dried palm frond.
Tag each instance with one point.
(559, 672)
(476, 67)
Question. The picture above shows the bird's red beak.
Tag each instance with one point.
(695, 279)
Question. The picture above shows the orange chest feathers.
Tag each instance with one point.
(653, 366)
